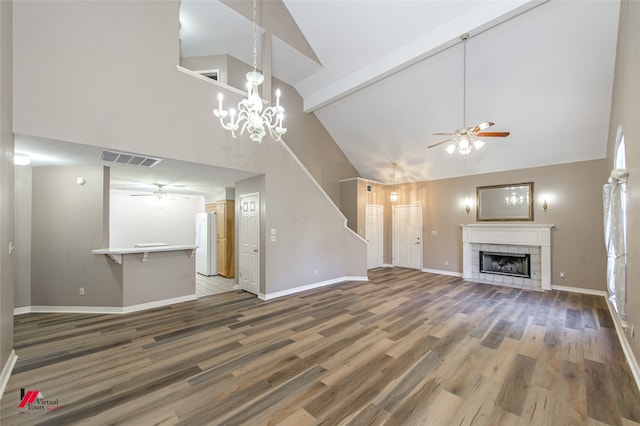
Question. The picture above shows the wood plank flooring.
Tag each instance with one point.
(405, 348)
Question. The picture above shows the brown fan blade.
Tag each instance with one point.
(439, 143)
(492, 134)
(482, 126)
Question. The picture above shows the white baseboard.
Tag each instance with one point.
(6, 371)
(312, 286)
(103, 309)
(439, 272)
(22, 310)
(579, 290)
(626, 347)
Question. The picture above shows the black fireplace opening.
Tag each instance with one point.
(512, 264)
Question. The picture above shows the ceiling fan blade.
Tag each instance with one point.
(439, 143)
(492, 134)
(445, 134)
(482, 126)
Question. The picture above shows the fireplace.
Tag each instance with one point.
(515, 239)
(511, 264)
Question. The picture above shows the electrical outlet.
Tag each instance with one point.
(81, 291)
(562, 275)
(316, 272)
(446, 262)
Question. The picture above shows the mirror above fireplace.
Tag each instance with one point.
(505, 202)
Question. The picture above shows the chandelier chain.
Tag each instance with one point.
(255, 38)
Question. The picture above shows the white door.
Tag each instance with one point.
(249, 239)
(374, 235)
(407, 236)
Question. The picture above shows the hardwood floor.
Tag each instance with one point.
(406, 348)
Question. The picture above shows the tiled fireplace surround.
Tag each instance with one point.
(533, 239)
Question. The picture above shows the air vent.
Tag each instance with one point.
(126, 158)
(212, 74)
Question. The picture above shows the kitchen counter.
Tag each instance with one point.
(154, 274)
(116, 253)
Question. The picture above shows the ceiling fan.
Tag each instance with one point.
(159, 194)
(465, 138)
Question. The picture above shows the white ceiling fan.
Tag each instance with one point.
(465, 138)
(159, 194)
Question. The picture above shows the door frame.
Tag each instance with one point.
(366, 216)
(393, 234)
(241, 230)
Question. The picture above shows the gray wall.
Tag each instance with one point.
(625, 111)
(68, 221)
(23, 236)
(6, 183)
(92, 98)
(575, 208)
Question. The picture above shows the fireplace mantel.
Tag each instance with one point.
(521, 234)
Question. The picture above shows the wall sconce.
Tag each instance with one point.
(545, 205)
(467, 205)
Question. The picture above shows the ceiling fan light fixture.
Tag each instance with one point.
(464, 140)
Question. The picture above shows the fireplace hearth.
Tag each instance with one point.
(511, 264)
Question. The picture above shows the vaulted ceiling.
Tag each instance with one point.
(383, 76)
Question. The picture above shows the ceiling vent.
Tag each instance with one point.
(125, 158)
(212, 74)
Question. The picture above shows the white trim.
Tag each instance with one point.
(388, 265)
(312, 286)
(21, 310)
(6, 371)
(362, 179)
(211, 81)
(105, 309)
(579, 290)
(440, 272)
(626, 347)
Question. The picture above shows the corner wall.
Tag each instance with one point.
(6, 192)
(23, 236)
(68, 221)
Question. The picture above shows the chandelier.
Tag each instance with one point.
(251, 117)
(394, 195)
(514, 200)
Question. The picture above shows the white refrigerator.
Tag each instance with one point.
(206, 241)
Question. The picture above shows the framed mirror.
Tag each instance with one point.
(505, 202)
